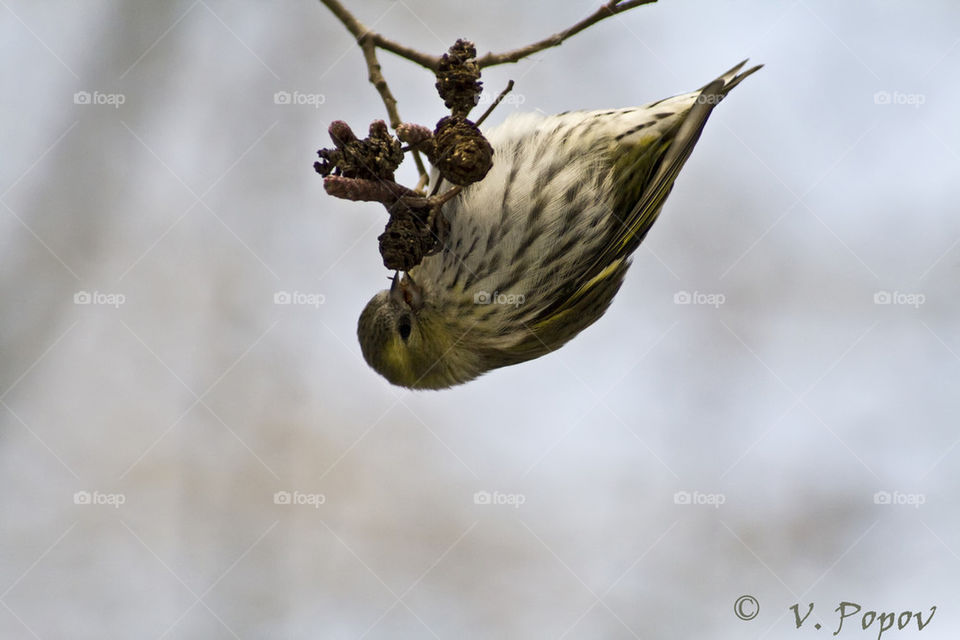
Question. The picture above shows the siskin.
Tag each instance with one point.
(536, 250)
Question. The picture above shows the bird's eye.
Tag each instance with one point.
(404, 327)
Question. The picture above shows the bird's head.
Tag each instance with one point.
(410, 341)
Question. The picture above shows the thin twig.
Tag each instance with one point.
(353, 25)
(375, 76)
(495, 103)
(609, 9)
(380, 83)
(359, 30)
(422, 183)
(422, 59)
(368, 42)
(432, 201)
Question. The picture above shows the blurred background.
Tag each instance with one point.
(769, 409)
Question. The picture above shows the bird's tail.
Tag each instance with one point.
(689, 132)
(731, 78)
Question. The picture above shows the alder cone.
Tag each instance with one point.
(463, 155)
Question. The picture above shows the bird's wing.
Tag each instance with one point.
(644, 172)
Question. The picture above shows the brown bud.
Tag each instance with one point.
(414, 134)
(341, 133)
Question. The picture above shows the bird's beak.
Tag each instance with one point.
(395, 294)
(406, 291)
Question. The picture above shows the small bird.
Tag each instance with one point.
(536, 251)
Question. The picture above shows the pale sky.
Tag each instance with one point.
(157, 408)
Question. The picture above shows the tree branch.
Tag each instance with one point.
(493, 105)
(368, 42)
(612, 8)
(352, 24)
(422, 59)
(360, 31)
(404, 242)
(375, 76)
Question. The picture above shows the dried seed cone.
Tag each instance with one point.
(463, 155)
(374, 157)
(406, 238)
(458, 78)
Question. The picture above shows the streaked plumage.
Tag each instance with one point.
(552, 226)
